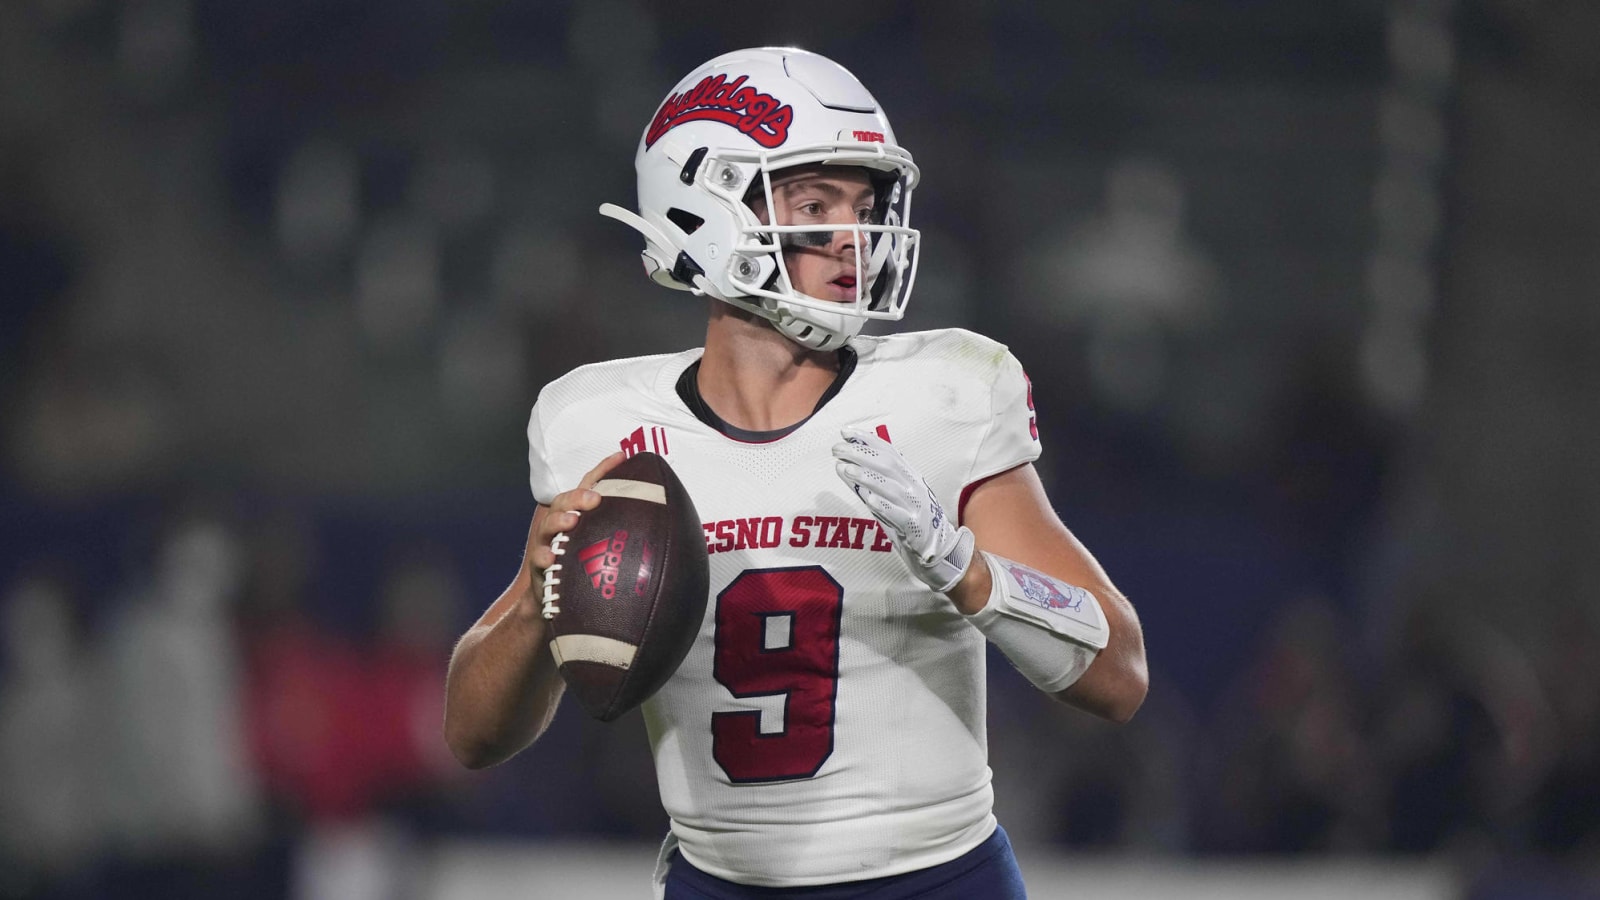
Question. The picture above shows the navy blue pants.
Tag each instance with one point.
(988, 871)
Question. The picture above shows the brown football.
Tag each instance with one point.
(628, 591)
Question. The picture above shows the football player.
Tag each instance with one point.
(871, 510)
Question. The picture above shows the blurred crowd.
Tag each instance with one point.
(212, 729)
(280, 280)
(204, 735)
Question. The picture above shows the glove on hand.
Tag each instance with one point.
(935, 549)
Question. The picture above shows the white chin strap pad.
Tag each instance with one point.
(820, 330)
(817, 330)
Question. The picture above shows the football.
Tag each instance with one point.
(627, 593)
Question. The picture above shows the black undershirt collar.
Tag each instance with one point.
(689, 391)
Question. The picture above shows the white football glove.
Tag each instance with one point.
(933, 547)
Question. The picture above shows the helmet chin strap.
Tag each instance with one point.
(817, 331)
(820, 330)
(811, 329)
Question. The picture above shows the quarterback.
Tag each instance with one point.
(870, 506)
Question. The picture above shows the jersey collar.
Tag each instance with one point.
(689, 391)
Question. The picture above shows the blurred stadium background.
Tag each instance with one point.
(1307, 290)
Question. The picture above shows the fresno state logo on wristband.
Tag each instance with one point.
(1039, 590)
(763, 117)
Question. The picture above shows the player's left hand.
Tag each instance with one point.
(937, 551)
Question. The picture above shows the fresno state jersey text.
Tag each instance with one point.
(761, 532)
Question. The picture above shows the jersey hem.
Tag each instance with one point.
(968, 840)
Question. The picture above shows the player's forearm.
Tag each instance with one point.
(502, 688)
(1115, 684)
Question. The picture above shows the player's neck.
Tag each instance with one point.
(755, 378)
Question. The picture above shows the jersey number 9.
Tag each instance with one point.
(777, 633)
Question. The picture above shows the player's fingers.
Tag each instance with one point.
(861, 444)
(869, 446)
(598, 472)
(872, 480)
(888, 463)
(885, 480)
(568, 505)
(858, 435)
(859, 456)
(547, 524)
(894, 515)
(583, 497)
(542, 557)
(563, 513)
(855, 476)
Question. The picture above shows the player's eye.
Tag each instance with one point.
(811, 208)
(864, 215)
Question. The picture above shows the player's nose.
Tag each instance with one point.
(849, 238)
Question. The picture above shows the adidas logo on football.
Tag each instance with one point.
(601, 559)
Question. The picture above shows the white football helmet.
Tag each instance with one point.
(717, 139)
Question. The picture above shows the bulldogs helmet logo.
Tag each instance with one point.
(763, 117)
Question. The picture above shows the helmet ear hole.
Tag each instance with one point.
(686, 221)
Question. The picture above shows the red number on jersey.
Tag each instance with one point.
(777, 633)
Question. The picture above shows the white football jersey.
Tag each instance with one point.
(828, 724)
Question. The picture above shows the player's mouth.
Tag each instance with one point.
(846, 286)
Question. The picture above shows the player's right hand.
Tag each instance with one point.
(563, 512)
(936, 550)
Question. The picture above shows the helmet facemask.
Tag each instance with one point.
(885, 264)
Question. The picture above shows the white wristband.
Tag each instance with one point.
(1050, 630)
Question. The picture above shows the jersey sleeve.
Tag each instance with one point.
(1012, 435)
(540, 477)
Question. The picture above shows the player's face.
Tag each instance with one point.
(822, 264)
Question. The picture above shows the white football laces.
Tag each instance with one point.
(551, 580)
